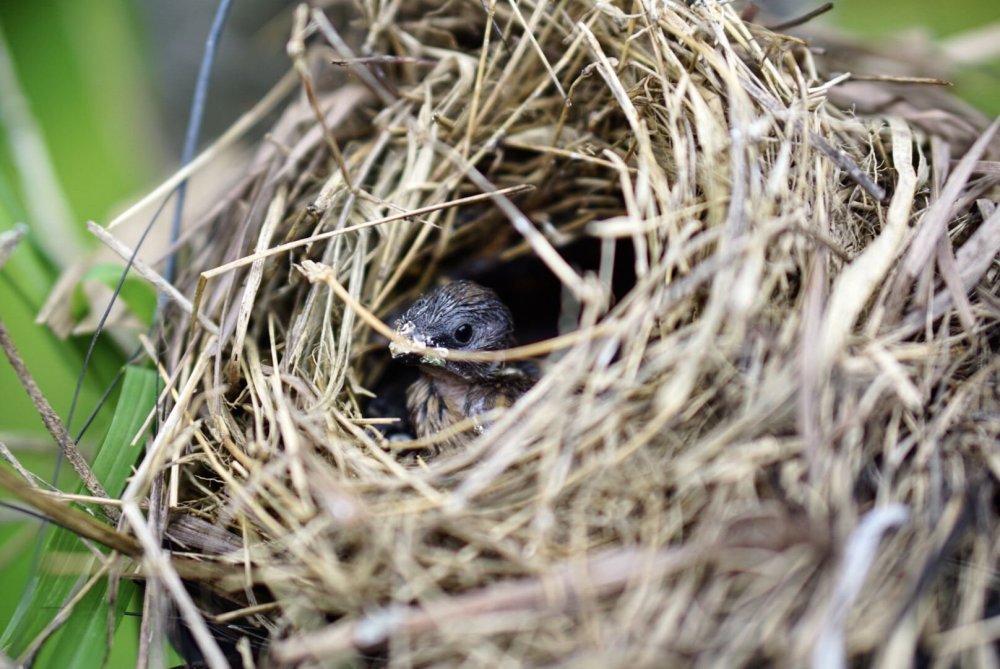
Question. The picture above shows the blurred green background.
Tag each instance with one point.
(107, 83)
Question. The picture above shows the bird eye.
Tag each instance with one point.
(463, 333)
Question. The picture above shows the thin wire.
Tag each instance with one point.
(194, 126)
(31, 513)
(132, 359)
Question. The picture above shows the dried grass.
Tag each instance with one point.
(709, 469)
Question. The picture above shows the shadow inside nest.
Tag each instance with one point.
(540, 306)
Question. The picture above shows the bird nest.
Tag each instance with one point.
(763, 429)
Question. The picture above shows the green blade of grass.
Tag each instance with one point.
(66, 562)
(82, 642)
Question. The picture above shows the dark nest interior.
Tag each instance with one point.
(762, 295)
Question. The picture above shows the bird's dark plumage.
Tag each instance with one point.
(460, 316)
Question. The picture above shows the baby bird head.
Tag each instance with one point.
(459, 316)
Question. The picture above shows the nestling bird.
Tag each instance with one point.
(459, 316)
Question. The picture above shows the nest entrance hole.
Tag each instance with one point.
(541, 306)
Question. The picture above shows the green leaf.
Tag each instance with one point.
(113, 463)
(81, 643)
(66, 563)
(137, 294)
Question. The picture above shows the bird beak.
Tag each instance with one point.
(413, 349)
(405, 346)
(403, 352)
